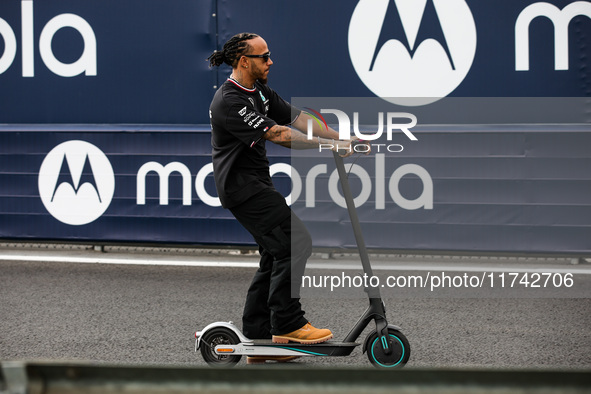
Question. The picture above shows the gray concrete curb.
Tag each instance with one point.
(63, 378)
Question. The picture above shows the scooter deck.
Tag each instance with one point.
(328, 348)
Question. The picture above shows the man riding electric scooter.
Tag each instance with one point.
(245, 113)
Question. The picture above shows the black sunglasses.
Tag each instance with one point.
(264, 56)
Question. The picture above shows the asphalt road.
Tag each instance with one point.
(148, 315)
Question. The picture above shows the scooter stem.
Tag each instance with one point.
(373, 292)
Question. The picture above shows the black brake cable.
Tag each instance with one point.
(358, 155)
(352, 164)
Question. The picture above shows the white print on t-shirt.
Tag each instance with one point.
(247, 117)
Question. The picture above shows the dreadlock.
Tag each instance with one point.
(233, 49)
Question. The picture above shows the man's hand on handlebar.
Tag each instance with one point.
(346, 148)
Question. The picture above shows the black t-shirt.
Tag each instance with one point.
(239, 118)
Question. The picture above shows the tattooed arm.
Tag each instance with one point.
(294, 139)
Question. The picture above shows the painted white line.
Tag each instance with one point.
(200, 262)
(458, 268)
(129, 261)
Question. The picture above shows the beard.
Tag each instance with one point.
(262, 75)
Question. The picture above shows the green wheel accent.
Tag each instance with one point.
(400, 350)
(302, 351)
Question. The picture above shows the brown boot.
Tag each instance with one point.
(306, 334)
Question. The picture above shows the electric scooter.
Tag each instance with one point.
(223, 344)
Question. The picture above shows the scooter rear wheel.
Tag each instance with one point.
(213, 338)
(400, 350)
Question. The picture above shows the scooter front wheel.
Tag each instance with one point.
(213, 338)
(396, 341)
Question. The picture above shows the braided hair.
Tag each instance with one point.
(233, 49)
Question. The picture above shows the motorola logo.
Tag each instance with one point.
(412, 52)
(560, 18)
(76, 182)
(86, 63)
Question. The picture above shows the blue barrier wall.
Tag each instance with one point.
(508, 189)
(125, 85)
(150, 54)
(150, 64)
